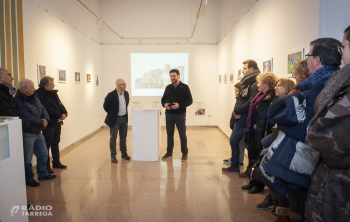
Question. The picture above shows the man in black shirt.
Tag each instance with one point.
(176, 98)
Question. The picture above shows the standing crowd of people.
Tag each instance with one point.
(297, 135)
(42, 114)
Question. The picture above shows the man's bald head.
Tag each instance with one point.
(26, 86)
(120, 85)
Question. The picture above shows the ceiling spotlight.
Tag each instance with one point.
(197, 24)
(204, 2)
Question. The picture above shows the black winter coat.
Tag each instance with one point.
(181, 95)
(8, 106)
(31, 110)
(249, 90)
(52, 104)
(7, 102)
(111, 106)
(259, 120)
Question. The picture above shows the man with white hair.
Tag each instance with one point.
(116, 106)
(34, 112)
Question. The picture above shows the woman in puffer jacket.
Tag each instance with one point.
(328, 198)
(293, 161)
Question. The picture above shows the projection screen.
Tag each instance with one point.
(150, 72)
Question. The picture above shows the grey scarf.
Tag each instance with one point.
(253, 74)
(12, 89)
(339, 79)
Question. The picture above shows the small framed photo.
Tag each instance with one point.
(225, 78)
(268, 65)
(88, 78)
(294, 58)
(200, 111)
(77, 77)
(41, 71)
(239, 75)
(219, 78)
(61, 73)
(231, 77)
(96, 80)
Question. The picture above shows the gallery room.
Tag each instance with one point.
(87, 45)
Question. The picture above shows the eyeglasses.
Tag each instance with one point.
(124, 84)
(309, 55)
(341, 48)
(9, 74)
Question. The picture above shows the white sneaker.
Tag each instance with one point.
(229, 160)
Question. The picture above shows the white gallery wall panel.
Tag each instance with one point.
(49, 41)
(201, 77)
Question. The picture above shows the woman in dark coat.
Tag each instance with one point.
(257, 125)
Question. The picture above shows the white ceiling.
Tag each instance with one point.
(149, 22)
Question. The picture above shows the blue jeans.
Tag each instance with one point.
(236, 136)
(34, 143)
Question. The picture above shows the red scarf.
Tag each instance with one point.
(255, 102)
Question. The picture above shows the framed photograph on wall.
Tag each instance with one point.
(240, 75)
(268, 65)
(61, 75)
(96, 80)
(294, 58)
(200, 111)
(77, 77)
(88, 78)
(41, 71)
(231, 77)
(219, 78)
(225, 78)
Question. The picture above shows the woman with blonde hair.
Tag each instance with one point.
(257, 125)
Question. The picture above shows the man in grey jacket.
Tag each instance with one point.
(249, 90)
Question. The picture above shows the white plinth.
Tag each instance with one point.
(145, 134)
(13, 194)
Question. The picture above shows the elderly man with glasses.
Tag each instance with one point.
(7, 102)
(116, 106)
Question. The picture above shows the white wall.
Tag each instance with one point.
(52, 42)
(271, 29)
(334, 18)
(202, 76)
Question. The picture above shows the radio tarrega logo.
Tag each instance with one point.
(14, 209)
(31, 210)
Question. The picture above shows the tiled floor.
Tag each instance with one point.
(95, 189)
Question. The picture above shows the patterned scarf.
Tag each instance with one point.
(255, 102)
(322, 73)
(338, 80)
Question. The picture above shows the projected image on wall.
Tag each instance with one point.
(150, 72)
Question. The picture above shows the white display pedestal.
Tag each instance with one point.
(13, 194)
(145, 134)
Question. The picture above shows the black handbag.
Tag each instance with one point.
(232, 121)
(253, 165)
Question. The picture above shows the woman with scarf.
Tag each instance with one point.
(257, 126)
(328, 198)
(293, 161)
